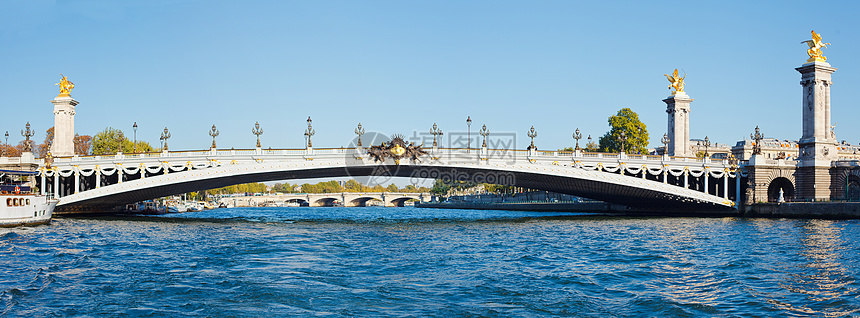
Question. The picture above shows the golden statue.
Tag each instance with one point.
(815, 46)
(65, 86)
(677, 83)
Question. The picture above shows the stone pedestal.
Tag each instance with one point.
(818, 146)
(678, 108)
(64, 126)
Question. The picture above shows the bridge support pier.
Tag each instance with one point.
(818, 142)
(57, 190)
(686, 179)
(678, 108)
(77, 180)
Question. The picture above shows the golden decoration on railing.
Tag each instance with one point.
(815, 46)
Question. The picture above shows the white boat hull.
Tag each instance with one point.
(17, 210)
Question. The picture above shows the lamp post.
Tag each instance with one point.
(435, 131)
(165, 135)
(758, 136)
(589, 142)
(623, 140)
(214, 133)
(27, 134)
(532, 134)
(134, 145)
(358, 131)
(257, 131)
(310, 132)
(469, 132)
(6, 145)
(707, 144)
(485, 132)
(665, 142)
(577, 135)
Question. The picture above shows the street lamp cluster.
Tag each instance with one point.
(435, 131)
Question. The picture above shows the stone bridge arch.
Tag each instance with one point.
(846, 184)
(400, 201)
(780, 185)
(325, 201)
(766, 182)
(361, 201)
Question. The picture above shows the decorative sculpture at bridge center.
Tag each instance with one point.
(396, 149)
(65, 86)
(676, 82)
(815, 46)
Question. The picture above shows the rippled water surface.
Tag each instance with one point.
(371, 262)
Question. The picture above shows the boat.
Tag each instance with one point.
(146, 207)
(23, 206)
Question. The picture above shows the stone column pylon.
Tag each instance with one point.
(64, 126)
(818, 142)
(678, 108)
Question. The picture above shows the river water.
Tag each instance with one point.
(396, 262)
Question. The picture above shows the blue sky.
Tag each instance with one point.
(400, 66)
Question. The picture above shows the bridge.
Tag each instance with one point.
(819, 167)
(348, 199)
(87, 183)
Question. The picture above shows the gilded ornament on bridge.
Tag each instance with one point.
(676, 82)
(815, 46)
(396, 149)
(65, 86)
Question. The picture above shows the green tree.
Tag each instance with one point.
(637, 134)
(109, 141)
(392, 188)
(440, 188)
(354, 186)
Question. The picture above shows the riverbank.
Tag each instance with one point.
(804, 210)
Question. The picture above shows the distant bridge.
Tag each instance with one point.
(348, 199)
(88, 183)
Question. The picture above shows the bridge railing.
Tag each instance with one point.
(455, 154)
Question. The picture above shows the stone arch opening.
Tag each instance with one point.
(783, 184)
(400, 202)
(852, 188)
(296, 202)
(326, 202)
(362, 201)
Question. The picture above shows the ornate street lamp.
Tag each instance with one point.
(310, 132)
(707, 144)
(358, 131)
(589, 142)
(665, 142)
(27, 134)
(485, 132)
(532, 134)
(435, 131)
(623, 140)
(469, 132)
(6, 145)
(214, 133)
(257, 131)
(577, 135)
(758, 136)
(134, 145)
(165, 135)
